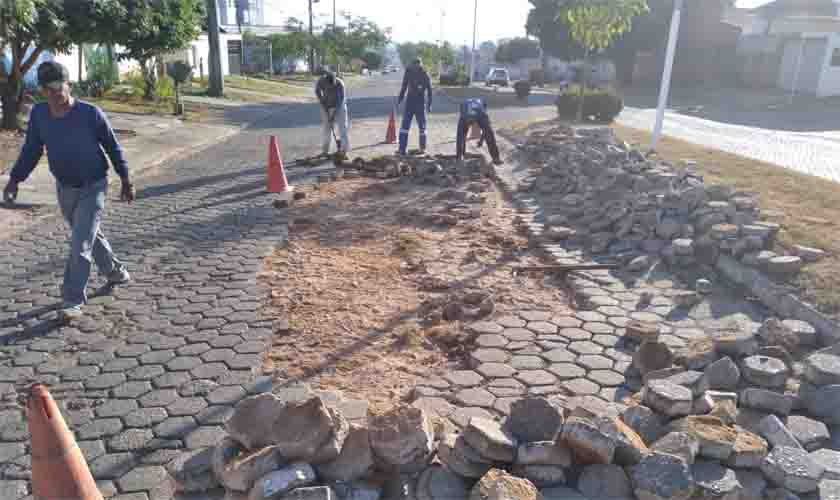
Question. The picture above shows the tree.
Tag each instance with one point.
(595, 25)
(373, 60)
(353, 41)
(291, 45)
(517, 49)
(156, 28)
(32, 27)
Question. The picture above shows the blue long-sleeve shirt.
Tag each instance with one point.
(74, 143)
(417, 85)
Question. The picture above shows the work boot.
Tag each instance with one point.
(118, 277)
(70, 313)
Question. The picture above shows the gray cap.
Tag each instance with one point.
(51, 72)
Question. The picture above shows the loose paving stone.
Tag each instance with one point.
(606, 378)
(811, 434)
(723, 374)
(585, 348)
(490, 440)
(767, 401)
(461, 417)
(464, 378)
(475, 397)
(822, 369)
(660, 476)
(792, 468)
(667, 398)
(524, 362)
(775, 431)
(574, 334)
(830, 461)
(580, 387)
(693, 380)
(765, 371)
(596, 362)
(715, 481)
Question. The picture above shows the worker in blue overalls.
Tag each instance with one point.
(417, 92)
(474, 112)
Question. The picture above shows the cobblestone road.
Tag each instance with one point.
(813, 153)
(156, 367)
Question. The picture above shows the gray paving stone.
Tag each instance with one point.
(566, 322)
(204, 437)
(112, 465)
(193, 349)
(536, 377)
(491, 340)
(585, 347)
(197, 388)
(186, 407)
(175, 427)
(226, 395)
(250, 347)
(9, 451)
(116, 408)
(519, 335)
(461, 417)
(489, 355)
(606, 341)
(590, 316)
(606, 378)
(160, 397)
(209, 370)
(475, 397)
(145, 417)
(598, 328)
(77, 373)
(495, 370)
(511, 322)
(132, 350)
(485, 327)
(527, 362)
(131, 390)
(566, 371)
(157, 357)
(581, 387)
(145, 372)
(541, 328)
(99, 428)
(574, 334)
(559, 356)
(226, 340)
(245, 362)
(143, 478)
(132, 440)
(594, 362)
(171, 380)
(535, 315)
(464, 378)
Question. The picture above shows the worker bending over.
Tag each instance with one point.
(474, 112)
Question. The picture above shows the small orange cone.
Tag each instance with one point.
(391, 136)
(59, 469)
(277, 182)
(475, 132)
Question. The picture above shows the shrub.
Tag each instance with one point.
(600, 105)
(102, 72)
(522, 88)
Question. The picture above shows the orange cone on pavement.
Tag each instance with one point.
(59, 469)
(391, 136)
(277, 182)
(475, 132)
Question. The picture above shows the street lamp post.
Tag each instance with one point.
(472, 55)
(666, 73)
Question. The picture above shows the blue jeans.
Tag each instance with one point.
(82, 209)
(413, 110)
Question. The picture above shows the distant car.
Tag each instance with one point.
(498, 76)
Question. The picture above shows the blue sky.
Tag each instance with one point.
(421, 20)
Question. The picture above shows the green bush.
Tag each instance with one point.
(522, 88)
(600, 105)
(102, 73)
(164, 89)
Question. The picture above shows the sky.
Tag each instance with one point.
(421, 19)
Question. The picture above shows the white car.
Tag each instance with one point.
(498, 76)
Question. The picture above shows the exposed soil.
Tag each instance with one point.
(369, 277)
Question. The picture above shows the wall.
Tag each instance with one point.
(830, 79)
(810, 67)
(198, 54)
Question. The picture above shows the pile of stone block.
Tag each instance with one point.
(607, 198)
(438, 170)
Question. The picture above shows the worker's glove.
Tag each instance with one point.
(10, 193)
(127, 193)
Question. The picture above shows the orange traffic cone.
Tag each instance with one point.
(391, 136)
(59, 469)
(475, 132)
(277, 182)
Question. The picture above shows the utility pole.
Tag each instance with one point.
(472, 55)
(665, 88)
(216, 87)
(311, 42)
(335, 35)
(440, 57)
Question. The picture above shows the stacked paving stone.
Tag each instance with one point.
(606, 198)
(440, 170)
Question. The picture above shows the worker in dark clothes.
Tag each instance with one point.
(474, 112)
(75, 134)
(332, 95)
(417, 92)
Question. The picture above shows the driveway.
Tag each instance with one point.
(802, 136)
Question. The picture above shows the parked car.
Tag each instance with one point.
(498, 76)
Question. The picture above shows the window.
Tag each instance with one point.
(835, 58)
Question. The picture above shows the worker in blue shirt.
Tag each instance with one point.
(75, 134)
(474, 112)
(417, 93)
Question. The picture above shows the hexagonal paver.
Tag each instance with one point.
(226, 341)
(116, 408)
(171, 379)
(598, 328)
(519, 334)
(131, 390)
(581, 387)
(131, 440)
(606, 378)
(618, 321)
(245, 361)
(595, 362)
(197, 388)
(133, 350)
(535, 315)
(603, 300)
(585, 348)
(475, 397)
(606, 340)
(143, 478)
(209, 370)
(511, 322)
(193, 349)
(566, 371)
(76, 373)
(226, 395)
(559, 356)
(491, 340)
(618, 356)
(175, 427)
(113, 465)
(204, 437)
(183, 363)
(99, 428)
(646, 317)
(495, 370)
(527, 362)
(566, 322)
(461, 417)
(536, 377)
(575, 334)
(157, 357)
(464, 378)
(611, 311)
(490, 355)
(186, 406)
(215, 415)
(485, 327)
(590, 316)
(145, 417)
(145, 372)
(502, 405)
(542, 327)
(104, 381)
(162, 397)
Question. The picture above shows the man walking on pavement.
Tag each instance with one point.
(416, 86)
(331, 94)
(474, 112)
(75, 134)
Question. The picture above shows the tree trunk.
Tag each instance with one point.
(583, 81)
(11, 98)
(149, 79)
